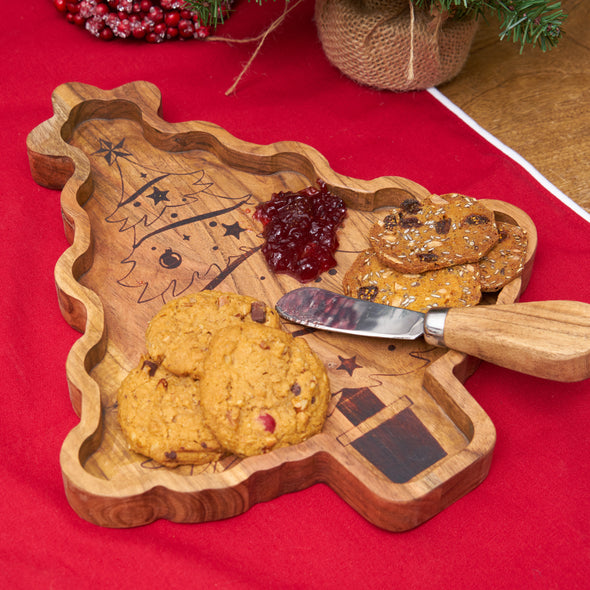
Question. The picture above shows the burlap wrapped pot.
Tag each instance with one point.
(391, 44)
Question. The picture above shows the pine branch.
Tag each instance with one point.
(211, 12)
(533, 22)
(526, 21)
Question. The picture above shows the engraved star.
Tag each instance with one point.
(111, 152)
(348, 365)
(158, 195)
(185, 237)
(233, 230)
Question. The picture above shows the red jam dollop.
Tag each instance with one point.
(300, 231)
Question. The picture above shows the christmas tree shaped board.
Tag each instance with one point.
(154, 210)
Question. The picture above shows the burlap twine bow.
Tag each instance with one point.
(390, 44)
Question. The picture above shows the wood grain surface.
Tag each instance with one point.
(549, 339)
(153, 210)
(536, 103)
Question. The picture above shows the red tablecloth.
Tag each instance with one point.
(526, 526)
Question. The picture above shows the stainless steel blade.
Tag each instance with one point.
(325, 310)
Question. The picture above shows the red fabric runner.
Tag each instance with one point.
(526, 526)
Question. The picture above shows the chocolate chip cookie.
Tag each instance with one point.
(178, 335)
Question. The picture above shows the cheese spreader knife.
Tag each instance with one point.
(548, 339)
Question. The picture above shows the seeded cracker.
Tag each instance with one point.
(369, 279)
(161, 417)
(442, 231)
(505, 261)
(263, 389)
(178, 335)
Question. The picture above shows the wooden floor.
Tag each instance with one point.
(536, 103)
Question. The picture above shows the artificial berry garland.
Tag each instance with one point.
(153, 21)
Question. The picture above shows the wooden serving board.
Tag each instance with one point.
(153, 210)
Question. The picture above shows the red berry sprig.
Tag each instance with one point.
(153, 21)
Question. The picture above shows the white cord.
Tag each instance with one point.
(510, 153)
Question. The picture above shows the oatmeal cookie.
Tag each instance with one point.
(178, 335)
(368, 278)
(262, 389)
(505, 261)
(161, 417)
(442, 231)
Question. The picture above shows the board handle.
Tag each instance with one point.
(548, 339)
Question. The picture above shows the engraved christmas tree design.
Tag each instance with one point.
(181, 231)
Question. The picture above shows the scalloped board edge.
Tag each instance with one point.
(58, 165)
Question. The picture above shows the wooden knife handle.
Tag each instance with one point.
(548, 339)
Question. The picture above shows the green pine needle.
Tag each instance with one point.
(533, 22)
(211, 12)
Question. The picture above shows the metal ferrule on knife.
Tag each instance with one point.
(434, 326)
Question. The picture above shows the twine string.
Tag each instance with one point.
(410, 71)
(259, 38)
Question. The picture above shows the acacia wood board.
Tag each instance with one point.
(154, 210)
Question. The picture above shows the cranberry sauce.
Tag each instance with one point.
(300, 231)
